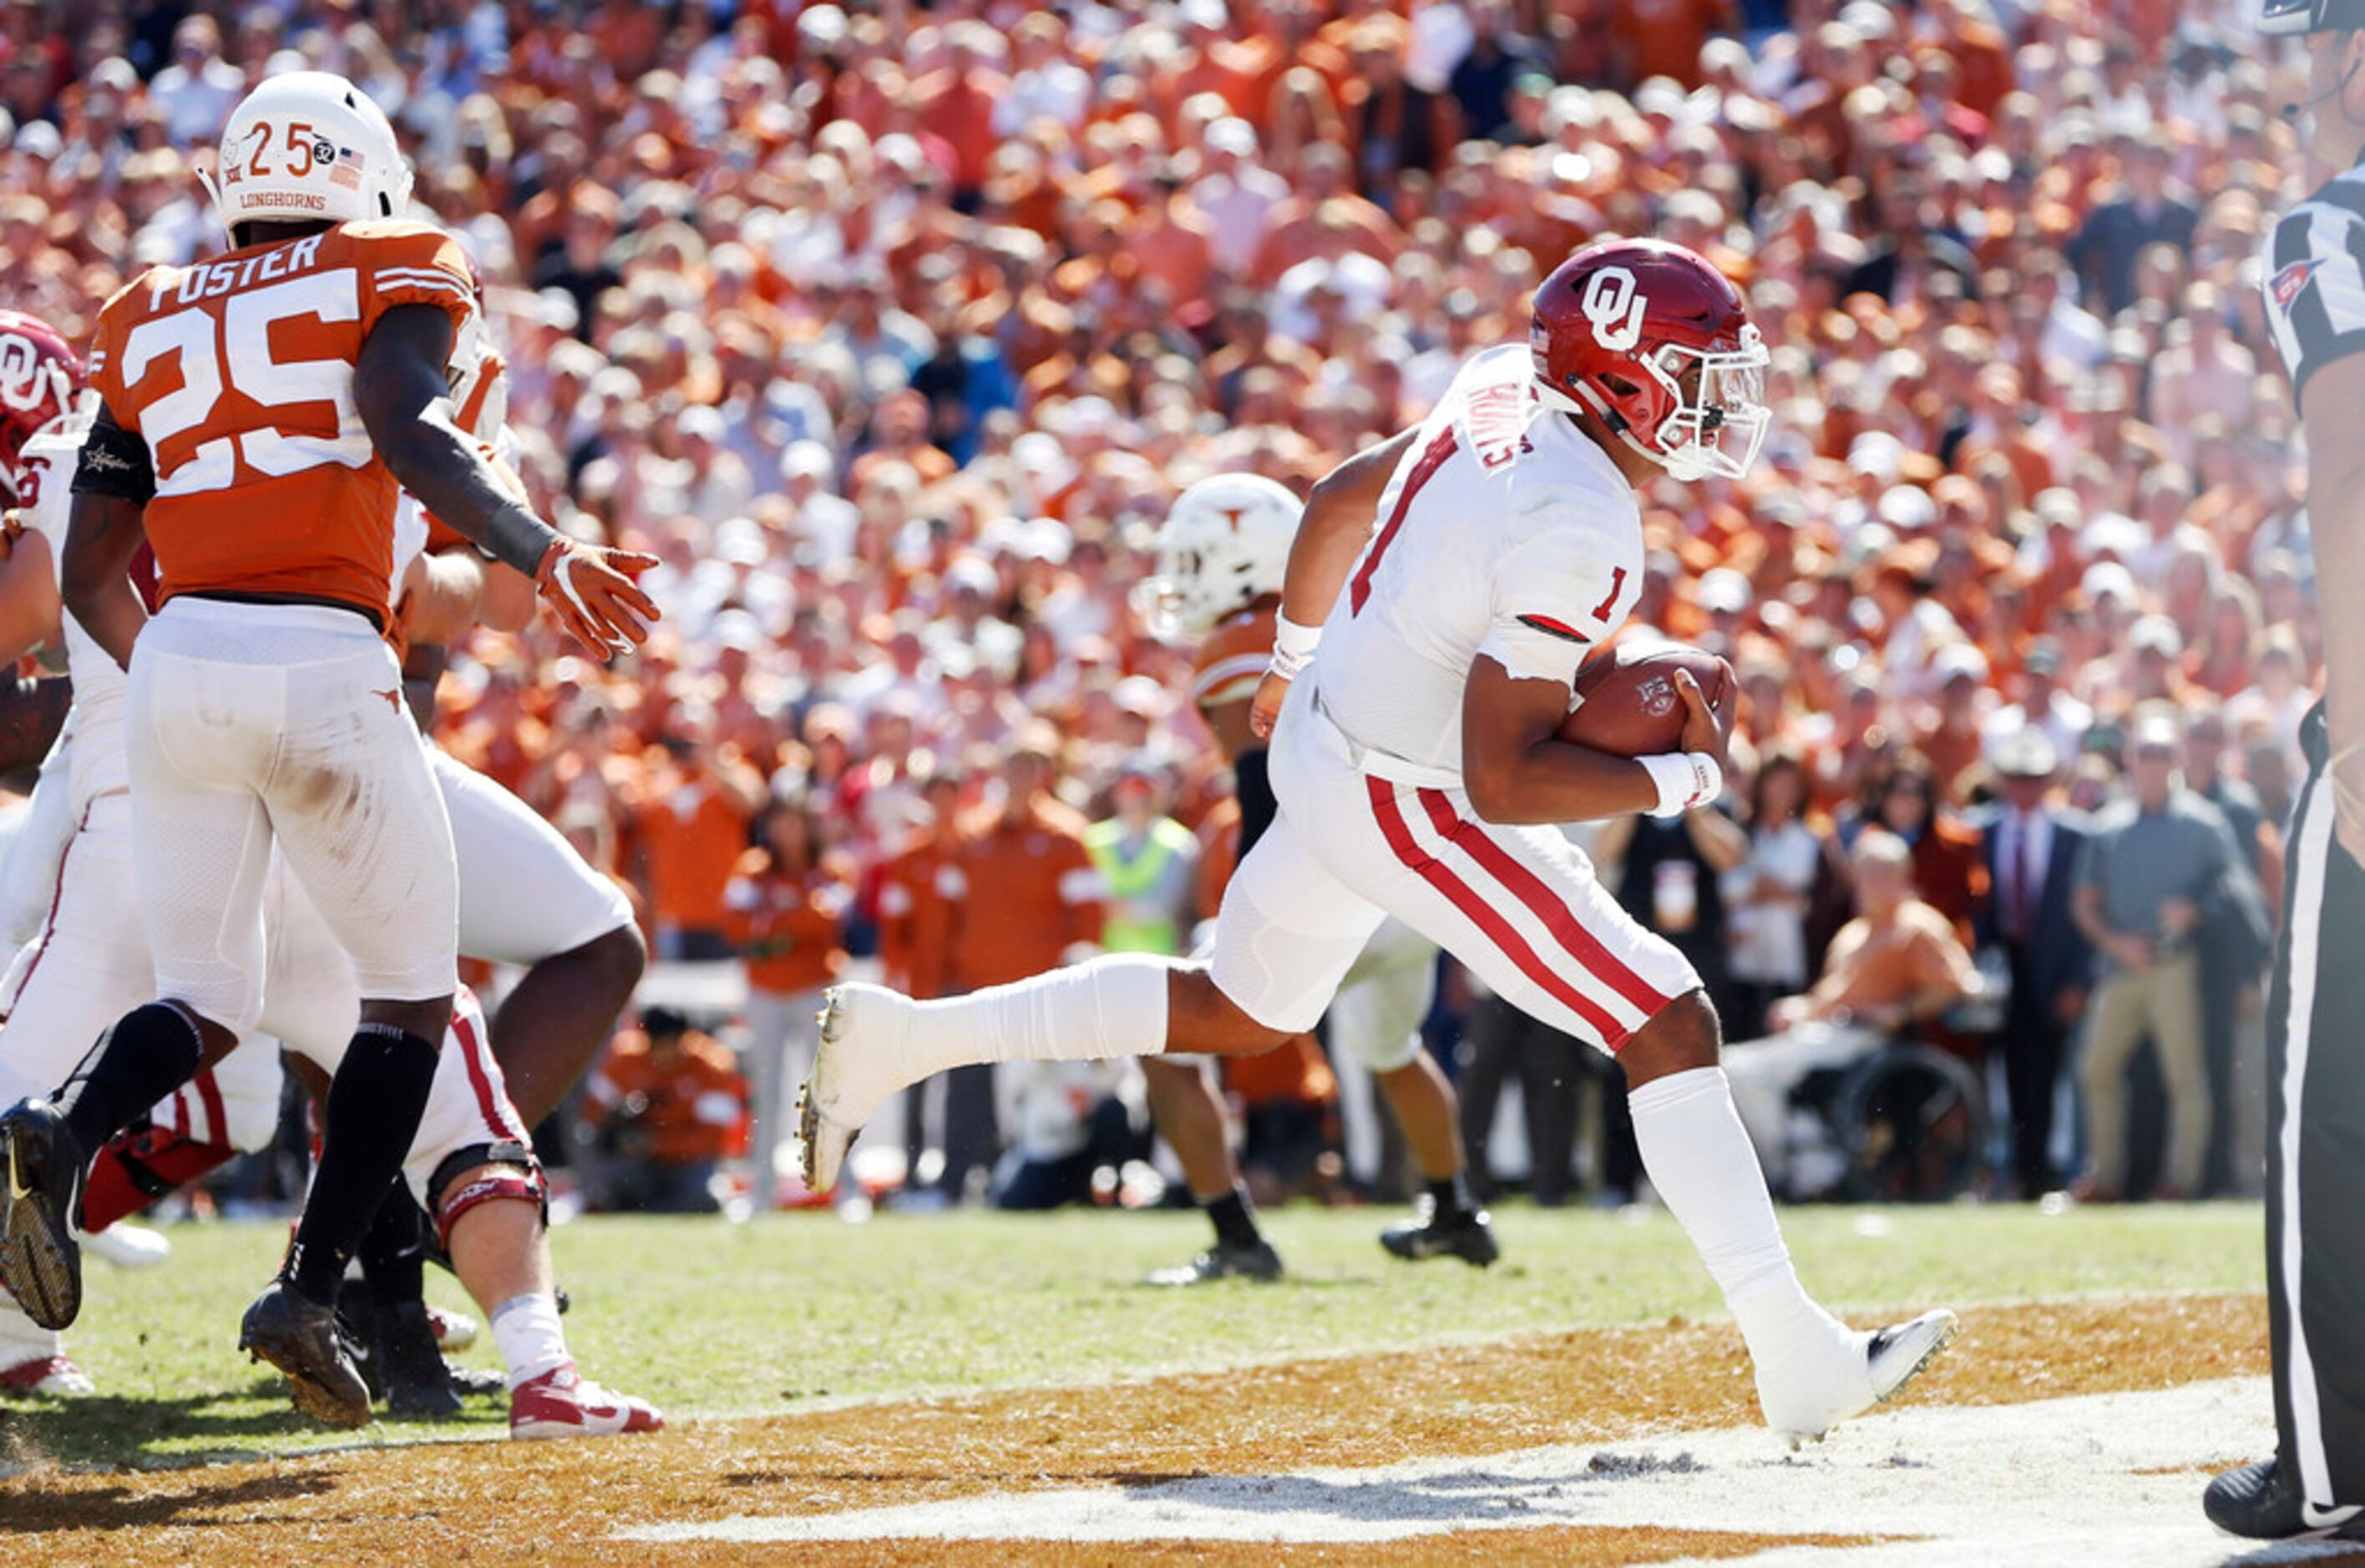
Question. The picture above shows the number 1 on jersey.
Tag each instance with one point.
(1609, 600)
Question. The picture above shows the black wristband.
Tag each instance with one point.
(115, 462)
(515, 537)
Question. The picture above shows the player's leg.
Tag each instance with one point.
(1522, 909)
(1376, 1020)
(474, 1168)
(33, 1359)
(361, 825)
(1189, 1115)
(200, 844)
(526, 898)
(1287, 933)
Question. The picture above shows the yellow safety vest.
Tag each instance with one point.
(1136, 878)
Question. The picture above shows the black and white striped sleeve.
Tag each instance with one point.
(2315, 281)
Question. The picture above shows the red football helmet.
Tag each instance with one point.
(39, 378)
(1620, 328)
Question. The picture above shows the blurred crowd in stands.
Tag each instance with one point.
(894, 329)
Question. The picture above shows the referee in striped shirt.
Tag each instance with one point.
(2315, 285)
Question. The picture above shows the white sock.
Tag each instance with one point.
(1705, 1172)
(531, 1343)
(1114, 1005)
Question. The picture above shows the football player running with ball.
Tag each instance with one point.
(258, 415)
(1222, 556)
(1454, 577)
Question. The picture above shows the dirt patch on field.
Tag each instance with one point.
(484, 1504)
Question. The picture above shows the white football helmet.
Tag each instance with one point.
(1224, 544)
(308, 146)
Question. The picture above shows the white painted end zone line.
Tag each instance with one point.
(2060, 1481)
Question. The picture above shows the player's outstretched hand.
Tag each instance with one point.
(590, 589)
(1705, 728)
(1266, 708)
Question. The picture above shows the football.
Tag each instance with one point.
(1627, 700)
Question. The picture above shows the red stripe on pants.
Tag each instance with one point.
(490, 1106)
(1497, 930)
(57, 897)
(1531, 889)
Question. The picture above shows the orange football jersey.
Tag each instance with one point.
(238, 373)
(1232, 660)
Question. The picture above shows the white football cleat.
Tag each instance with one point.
(1891, 1358)
(453, 1330)
(49, 1377)
(859, 1064)
(33, 1359)
(129, 1246)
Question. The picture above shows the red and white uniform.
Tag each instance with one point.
(1504, 532)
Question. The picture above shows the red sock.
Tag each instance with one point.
(137, 1167)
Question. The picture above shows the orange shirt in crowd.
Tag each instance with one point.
(785, 927)
(1662, 37)
(692, 833)
(694, 1100)
(917, 911)
(1950, 872)
(1024, 891)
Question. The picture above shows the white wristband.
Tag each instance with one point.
(1685, 780)
(1293, 647)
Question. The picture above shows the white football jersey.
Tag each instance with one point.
(98, 759)
(1504, 531)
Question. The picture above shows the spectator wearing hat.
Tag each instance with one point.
(2044, 706)
(665, 1108)
(2154, 869)
(2031, 847)
(1953, 737)
(1148, 862)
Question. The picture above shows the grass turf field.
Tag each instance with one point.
(795, 1313)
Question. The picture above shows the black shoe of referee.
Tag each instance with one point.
(2262, 1502)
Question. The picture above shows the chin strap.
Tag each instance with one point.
(213, 194)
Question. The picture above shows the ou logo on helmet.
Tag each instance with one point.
(22, 384)
(1615, 307)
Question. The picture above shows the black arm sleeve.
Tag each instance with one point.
(115, 463)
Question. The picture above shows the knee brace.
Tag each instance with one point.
(450, 1197)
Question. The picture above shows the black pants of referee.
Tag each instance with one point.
(2315, 1156)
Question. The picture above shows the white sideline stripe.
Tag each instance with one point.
(2070, 1470)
